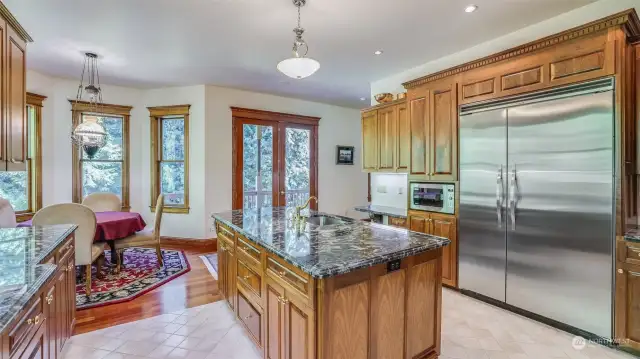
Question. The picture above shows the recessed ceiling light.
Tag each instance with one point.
(378, 52)
(471, 8)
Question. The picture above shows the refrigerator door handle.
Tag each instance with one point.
(513, 202)
(499, 196)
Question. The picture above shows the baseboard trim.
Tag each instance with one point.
(199, 243)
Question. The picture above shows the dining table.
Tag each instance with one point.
(111, 226)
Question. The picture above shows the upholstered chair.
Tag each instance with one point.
(72, 213)
(103, 202)
(144, 238)
(7, 215)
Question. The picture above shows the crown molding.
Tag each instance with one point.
(627, 20)
(11, 20)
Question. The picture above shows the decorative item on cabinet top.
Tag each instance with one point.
(384, 97)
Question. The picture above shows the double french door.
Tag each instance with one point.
(274, 163)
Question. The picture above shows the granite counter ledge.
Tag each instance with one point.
(34, 243)
(383, 210)
(331, 285)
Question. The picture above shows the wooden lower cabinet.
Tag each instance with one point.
(46, 322)
(628, 294)
(398, 222)
(441, 225)
(372, 313)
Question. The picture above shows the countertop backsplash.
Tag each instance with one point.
(389, 189)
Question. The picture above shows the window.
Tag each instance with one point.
(23, 189)
(108, 171)
(170, 157)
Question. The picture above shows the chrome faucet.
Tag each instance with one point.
(300, 208)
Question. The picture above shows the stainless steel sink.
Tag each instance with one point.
(324, 220)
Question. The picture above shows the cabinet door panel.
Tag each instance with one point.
(222, 269)
(387, 305)
(348, 322)
(418, 224)
(421, 335)
(52, 321)
(274, 343)
(16, 102)
(231, 279)
(445, 226)
(300, 335)
(403, 148)
(63, 308)
(418, 118)
(369, 141)
(387, 123)
(444, 133)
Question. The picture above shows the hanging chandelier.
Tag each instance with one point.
(89, 134)
(299, 66)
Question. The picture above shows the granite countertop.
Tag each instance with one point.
(384, 210)
(22, 275)
(325, 251)
(632, 234)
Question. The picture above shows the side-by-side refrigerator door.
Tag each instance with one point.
(482, 211)
(560, 222)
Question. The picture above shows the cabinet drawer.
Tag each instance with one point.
(66, 248)
(224, 237)
(249, 277)
(398, 222)
(250, 317)
(26, 325)
(290, 278)
(249, 249)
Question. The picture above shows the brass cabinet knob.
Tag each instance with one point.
(49, 298)
(620, 271)
(70, 266)
(37, 319)
(246, 277)
(282, 274)
(29, 321)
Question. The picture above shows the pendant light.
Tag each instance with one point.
(89, 134)
(299, 66)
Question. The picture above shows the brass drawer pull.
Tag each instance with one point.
(282, 274)
(49, 298)
(283, 300)
(34, 321)
(70, 266)
(635, 274)
(246, 277)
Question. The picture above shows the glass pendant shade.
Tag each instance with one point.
(90, 135)
(298, 67)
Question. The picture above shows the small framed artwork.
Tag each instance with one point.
(344, 155)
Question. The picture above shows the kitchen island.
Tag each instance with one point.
(330, 287)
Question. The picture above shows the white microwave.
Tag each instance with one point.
(432, 197)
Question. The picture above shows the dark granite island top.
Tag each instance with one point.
(21, 274)
(326, 251)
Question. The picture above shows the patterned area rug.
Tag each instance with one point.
(139, 275)
(211, 262)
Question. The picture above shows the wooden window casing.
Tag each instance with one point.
(156, 116)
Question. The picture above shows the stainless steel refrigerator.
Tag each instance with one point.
(536, 227)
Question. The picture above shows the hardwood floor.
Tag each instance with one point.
(197, 287)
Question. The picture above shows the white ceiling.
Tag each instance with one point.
(237, 43)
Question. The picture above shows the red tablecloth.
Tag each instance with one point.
(112, 225)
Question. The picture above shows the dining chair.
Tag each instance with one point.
(7, 214)
(86, 250)
(143, 238)
(103, 202)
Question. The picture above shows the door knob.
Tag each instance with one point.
(282, 192)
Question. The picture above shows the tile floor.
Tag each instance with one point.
(470, 330)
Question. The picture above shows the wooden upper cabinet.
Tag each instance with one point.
(387, 126)
(370, 141)
(418, 101)
(17, 142)
(443, 142)
(444, 225)
(403, 147)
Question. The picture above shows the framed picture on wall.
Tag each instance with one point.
(344, 155)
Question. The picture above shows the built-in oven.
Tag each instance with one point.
(432, 197)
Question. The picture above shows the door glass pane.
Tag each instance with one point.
(297, 166)
(257, 165)
(101, 177)
(172, 182)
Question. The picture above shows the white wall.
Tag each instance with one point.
(548, 27)
(339, 187)
(389, 189)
